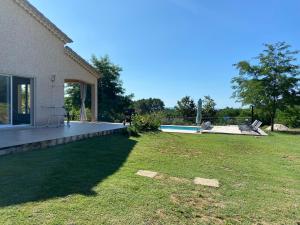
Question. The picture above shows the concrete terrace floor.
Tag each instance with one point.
(23, 135)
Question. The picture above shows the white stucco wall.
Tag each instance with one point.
(28, 49)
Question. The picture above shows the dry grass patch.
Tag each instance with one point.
(197, 206)
(172, 180)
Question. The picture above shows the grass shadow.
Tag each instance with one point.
(60, 171)
(288, 132)
(293, 132)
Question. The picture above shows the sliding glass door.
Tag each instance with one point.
(15, 100)
(5, 100)
(21, 100)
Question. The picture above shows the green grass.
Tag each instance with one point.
(94, 181)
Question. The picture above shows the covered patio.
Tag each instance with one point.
(27, 138)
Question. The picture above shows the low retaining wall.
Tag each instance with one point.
(55, 142)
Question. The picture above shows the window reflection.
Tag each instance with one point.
(24, 98)
(5, 100)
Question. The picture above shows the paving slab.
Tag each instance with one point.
(147, 173)
(206, 182)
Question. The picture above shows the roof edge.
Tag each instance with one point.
(36, 14)
(77, 58)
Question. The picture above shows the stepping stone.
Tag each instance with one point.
(206, 182)
(146, 173)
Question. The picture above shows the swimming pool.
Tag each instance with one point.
(180, 129)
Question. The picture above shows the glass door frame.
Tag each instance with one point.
(21, 101)
(9, 98)
(32, 100)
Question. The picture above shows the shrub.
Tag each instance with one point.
(289, 117)
(130, 131)
(75, 114)
(145, 123)
(178, 121)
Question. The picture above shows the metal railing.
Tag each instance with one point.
(214, 120)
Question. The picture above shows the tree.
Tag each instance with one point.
(112, 101)
(271, 84)
(229, 112)
(208, 108)
(186, 107)
(150, 105)
(170, 113)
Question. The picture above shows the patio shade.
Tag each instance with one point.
(83, 88)
(199, 112)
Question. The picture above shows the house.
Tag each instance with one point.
(35, 63)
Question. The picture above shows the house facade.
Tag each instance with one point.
(35, 63)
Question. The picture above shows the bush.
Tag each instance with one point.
(173, 121)
(130, 131)
(179, 121)
(145, 123)
(75, 114)
(289, 117)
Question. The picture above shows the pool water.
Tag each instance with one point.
(180, 128)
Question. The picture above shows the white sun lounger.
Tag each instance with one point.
(255, 125)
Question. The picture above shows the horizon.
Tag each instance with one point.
(170, 49)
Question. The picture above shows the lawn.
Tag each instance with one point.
(94, 181)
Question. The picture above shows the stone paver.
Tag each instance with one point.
(206, 182)
(147, 173)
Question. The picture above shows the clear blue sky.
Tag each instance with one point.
(172, 48)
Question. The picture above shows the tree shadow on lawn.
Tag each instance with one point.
(60, 171)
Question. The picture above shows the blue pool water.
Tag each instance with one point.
(177, 127)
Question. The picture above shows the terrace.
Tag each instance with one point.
(25, 138)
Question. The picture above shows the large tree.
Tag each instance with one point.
(112, 101)
(186, 107)
(270, 84)
(150, 105)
